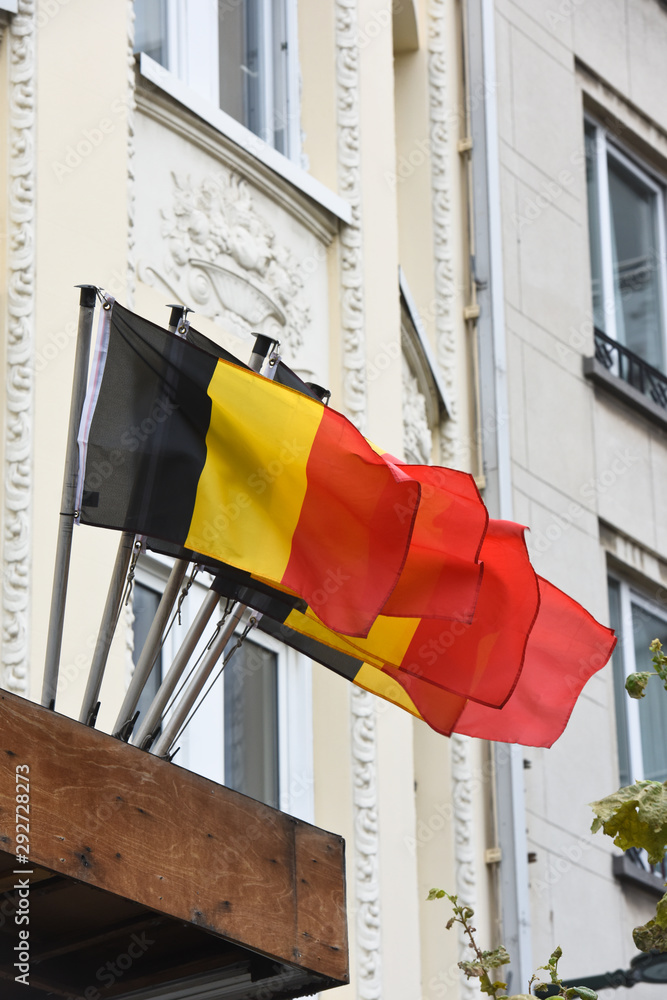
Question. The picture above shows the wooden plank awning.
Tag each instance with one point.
(125, 849)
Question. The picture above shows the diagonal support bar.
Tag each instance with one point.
(68, 497)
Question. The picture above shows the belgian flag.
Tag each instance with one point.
(185, 445)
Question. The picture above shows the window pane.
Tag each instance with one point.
(150, 29)
(653, 707)
(144, 605)
(594, 229)
(251, 723)
(233, 68)
(635, 254)
(280, 85)
(620, 694)
(241, 28)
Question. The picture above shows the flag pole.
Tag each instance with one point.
(68, 497)
(150, 723)
(180, 713)
(112, 608)
(196, 685)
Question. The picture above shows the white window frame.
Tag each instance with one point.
(202, 744)
(628, 596)
(606, 146)
(192, 58)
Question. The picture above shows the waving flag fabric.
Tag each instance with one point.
(389, 574)
(565, 647)
(199, 451)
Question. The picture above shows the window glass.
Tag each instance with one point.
(235, 71)
(634, 252)
(594, 229)
(150, 29)
(281, 109)
(653, 707)
(144, 605)
(251, 81)
(251, 723)
(620, 695)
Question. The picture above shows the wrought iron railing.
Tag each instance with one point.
(629, 367)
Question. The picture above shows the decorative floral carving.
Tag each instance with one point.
(20, 352)
(225, 259)
(466, 881)
(349, 176)
(367, 888)
(441, 198)
(417, 436)
(364, 739)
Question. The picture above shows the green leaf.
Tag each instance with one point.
(635, 684)
(438, 894)
(635, 816)
(649, 936)
(494, 959)
(580, 991)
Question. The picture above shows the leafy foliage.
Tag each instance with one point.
(485, 961)
(653, 934)
(635, 816)
(635, 684)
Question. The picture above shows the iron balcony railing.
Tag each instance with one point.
(629, 367)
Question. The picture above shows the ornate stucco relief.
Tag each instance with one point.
(16, 548)
(417, 433)
(441, 197)
(466, 879)
(349, 176)
(223, 258)
(364, 736)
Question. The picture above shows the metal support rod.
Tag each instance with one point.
(70, 477)
(151, 648)
(107, 627)
(203, 672)
(151, 721)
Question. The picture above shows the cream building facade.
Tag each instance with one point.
(398, 193)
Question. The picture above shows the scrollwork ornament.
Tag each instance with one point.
(20, 348)
(441, 201)
(349, 179)
(466, 880)
(417, 436)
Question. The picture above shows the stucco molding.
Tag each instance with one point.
(20, 349)
(223, 258)
(441, 200)
(417, 430)
(368, 943)
(349, 178)
(464, 855)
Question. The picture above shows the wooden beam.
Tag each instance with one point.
(113, 816)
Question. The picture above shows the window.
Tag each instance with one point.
(641, 725)
(626, 217)
(253, 731)
(239, 54)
